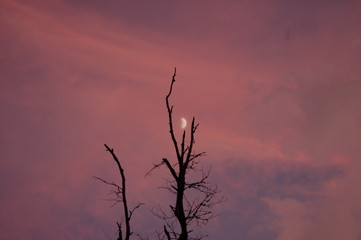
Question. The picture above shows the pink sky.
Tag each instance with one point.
(275, 86)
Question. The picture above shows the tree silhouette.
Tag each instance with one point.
(194, 199)
(119, 191)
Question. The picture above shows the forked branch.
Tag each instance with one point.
(121, 197)
(187, 211)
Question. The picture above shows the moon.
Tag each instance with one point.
(183, 123)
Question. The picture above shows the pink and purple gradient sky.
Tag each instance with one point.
(275, 86)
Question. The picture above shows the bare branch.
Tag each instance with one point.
(186, 211)
(108, 183)
(171, 169)
(170, 110)
(124, 196)
(183, 144)
(166, 233)
(120, 197)
(169, 166)
(135, 208)
(155, 166)
(193, 131)
(120, 233)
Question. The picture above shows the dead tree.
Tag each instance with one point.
(119, 191)
(193, 199)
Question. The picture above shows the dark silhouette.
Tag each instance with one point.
(194, 199)
(121, 197)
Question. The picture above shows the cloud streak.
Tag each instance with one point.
(275, 88)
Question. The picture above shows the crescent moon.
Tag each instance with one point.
(183, 123)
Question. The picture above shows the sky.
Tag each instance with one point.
(274, 85)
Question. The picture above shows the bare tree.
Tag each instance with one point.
(119, 192)
(193, 199)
